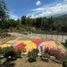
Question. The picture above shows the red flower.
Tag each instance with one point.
(65, 53)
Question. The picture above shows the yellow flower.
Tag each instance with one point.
(6, 45)
(29, 44)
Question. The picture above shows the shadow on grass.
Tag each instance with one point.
(8, 63)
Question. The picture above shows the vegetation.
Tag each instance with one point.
(32, 55)
(57, 25)
(51, 24)
(1, 53)
(9, 52)
(45, 57)
(65, 43)
(64, 60)
(3, 14)
(3, 35)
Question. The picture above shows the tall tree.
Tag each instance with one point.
(23, 20)
(3, 13)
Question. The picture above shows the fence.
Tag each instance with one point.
(58, 37)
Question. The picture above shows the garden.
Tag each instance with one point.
(31, 54)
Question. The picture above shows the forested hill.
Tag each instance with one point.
(52, 24)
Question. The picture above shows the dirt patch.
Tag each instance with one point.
(3, 40)
(23, 63)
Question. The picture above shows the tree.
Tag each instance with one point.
(23, 19)
(3, 13)
(13, 23)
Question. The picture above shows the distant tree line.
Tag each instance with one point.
(52, 24)
(58, 24)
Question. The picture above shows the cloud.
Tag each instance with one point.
(12, 16)
(45, 11)
(32, 15)
(65, 0)
(38, 3)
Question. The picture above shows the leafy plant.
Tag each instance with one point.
(32, 55)
(64, 64)
(64, 60)
(1, 53)
(45, 57)
(65, 43)
(9, 52)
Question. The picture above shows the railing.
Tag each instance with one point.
(58, 37)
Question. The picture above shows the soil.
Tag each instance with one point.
(24, 63)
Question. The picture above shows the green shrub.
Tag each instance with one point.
(64, 57)
(3, 35)
(1, 53)
(9, 52)
(65, 43)
(64, 60)
(32, 55)
(64, 64)
(45, 57)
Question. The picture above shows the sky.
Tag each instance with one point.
(36, 8)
